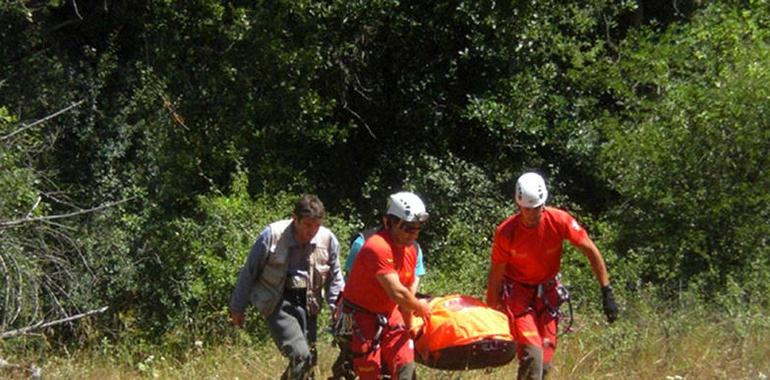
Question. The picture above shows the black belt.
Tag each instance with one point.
(545, 284)
(382, 322)
(351, 306)
(295, 295)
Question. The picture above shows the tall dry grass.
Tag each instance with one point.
(647, 344)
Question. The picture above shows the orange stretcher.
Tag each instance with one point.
(463, 333)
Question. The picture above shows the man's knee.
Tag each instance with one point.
(406, 371)
(531, 363)
(297, 351)
(546, 368)
(304, 358)
(300, 361)
(313, 355)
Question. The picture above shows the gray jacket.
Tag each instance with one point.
(263, 277)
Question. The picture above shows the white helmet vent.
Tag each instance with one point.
(407, 206)
(531, 190)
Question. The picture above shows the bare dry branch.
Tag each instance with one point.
(66, 238)
(14, 290)
(37, 203)
(42, 325)
(43, 120)
(357, 116)
(48, 218)
(6, 275)
(77, 12)
(175, 117)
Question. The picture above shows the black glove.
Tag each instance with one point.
(608, 302)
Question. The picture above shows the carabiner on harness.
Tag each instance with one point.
(563, 294)
(342, 329)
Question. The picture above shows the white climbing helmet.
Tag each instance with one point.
(407, 207)
(531, 190)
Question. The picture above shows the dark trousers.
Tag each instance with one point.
(294, 333)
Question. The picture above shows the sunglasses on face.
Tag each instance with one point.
(411, 227)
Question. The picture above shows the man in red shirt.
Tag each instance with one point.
(526, 256)
(378, 296)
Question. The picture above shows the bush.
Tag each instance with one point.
(200, 258)
(465, 206)
(686, 151)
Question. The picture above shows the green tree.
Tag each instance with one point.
(687, 150)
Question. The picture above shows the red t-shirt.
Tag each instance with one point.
(379, 256)
(533, 255)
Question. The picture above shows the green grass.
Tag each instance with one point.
(645, 344)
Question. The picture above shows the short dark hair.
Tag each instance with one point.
(392, 219)
(308, 205)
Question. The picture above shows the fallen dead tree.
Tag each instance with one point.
(41, 324)
(33, 370)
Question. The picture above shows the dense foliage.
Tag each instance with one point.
(688, 149)
(144, 144)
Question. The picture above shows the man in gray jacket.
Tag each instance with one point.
(291, 265)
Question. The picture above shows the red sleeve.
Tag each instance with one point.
(382, 256)
(571, 229)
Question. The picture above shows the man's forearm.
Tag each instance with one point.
(493, 294)
(405, 299)
(598, 266)
(335, 284)
(494, 283)
(415, 285)
(247, 277)
(242, 290)
(589, 249)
